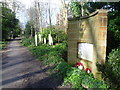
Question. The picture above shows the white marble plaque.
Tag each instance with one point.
(85, 51)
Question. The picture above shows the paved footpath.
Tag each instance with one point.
(20, 69)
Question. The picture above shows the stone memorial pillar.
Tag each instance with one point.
(87, 40)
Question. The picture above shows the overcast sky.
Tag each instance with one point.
(23, 15)
(29, 2)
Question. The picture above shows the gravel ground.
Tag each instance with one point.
(20, 69)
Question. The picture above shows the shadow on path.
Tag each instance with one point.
(25, 76)
(21, 69)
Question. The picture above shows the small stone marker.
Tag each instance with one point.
(44, 40)
(50, 39)
(35, 39)
(40, 38)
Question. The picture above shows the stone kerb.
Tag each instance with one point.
(92, 32)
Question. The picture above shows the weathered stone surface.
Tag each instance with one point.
(91, 30)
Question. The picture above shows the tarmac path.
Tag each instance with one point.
(20, 69)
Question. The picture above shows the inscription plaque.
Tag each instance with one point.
(85, 51)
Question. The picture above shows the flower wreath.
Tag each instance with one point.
(88, 70)
(81, 67)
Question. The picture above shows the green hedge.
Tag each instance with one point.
(111, 70)
(114, 61)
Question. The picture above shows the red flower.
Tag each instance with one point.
(88, 70)
(79, 65)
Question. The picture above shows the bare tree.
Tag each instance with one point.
(15, 5)
(40, 16)
(63, 3)
(49, 13)
(35, 16)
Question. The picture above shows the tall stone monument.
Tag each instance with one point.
(87, 40)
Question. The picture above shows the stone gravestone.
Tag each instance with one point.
(87, 40)
(44, 40)
(50, 39)
(36, 40)
(40, 38)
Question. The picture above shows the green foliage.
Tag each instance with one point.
(27, 41)
(91, 82)
(17, 31)
(54, 55)
(113, 40)
(58, 36)
(79, 79)
(9, 23)
(49, 54)
(61, 69)
(46, 32)
(75, 8)
(111, 70)
(61, 36)
(29, 30)
(114, 21)
(2, 44)
(74, 76)
(114, 61)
